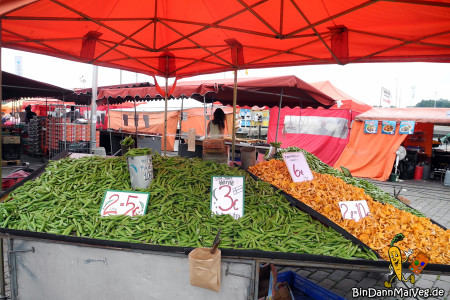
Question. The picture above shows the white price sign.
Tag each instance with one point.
(227, 196)
(124, 203)
(297, 166)
(355, 210)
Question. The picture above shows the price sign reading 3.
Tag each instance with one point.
(297, 166)
(124, 203)
(227, 196)
(355, 210)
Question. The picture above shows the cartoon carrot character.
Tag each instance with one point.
(395, 256)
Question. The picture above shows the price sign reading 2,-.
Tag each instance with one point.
(355, 210)
(297, 166)
(227, 196)
(124, 203)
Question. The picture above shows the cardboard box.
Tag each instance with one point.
(11, 139)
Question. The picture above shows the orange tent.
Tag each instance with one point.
(184, 38)
(152, 122)
(373, 155)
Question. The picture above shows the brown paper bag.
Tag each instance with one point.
(204, 268)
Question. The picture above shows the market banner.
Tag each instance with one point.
(371, 126)
(388, 127)
(406, 127)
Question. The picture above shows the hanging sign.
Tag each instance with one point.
(191, 139)
(124, 203)
(227, 196)
(406, 127)
(388, 127)
(184, 116)
(298, 166)
(371, 126)
(355, 210)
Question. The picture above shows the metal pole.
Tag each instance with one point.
(135, 122)
(279, 112)
(2, 261)
(234, 116)
(94, 108)
(165, 115)
(109, 123)
(205, 113)
(181, 122)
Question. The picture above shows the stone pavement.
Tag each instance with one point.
(430, 197)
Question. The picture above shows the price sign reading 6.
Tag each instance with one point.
(227, 196)
(124, 203)
(297, 173)
(297, 166)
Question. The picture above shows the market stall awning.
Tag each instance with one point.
(184, 38)
(251, 91)
(348, 102)
(15, 87)
(418, 114)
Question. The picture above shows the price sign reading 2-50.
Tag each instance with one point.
(227, 196)
(124, 203)
(297, 166)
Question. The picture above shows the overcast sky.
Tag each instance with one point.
(408, 83)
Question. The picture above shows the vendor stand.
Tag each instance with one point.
(110, 249)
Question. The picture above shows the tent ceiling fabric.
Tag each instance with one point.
(251, 91)
(178, 38)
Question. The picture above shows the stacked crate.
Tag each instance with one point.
(215, 150)
(35, 137)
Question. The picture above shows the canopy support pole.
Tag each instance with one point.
(109, 125)
(136, 120)
(165, 115)
(205, 113)
(2, 267)
(94, 108)
(181, 123)
(2, 287)
(233, 138)
(279, 112)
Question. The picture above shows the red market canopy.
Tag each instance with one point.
(439, 116)
(176, 38)
(251, 91)
(348, 102)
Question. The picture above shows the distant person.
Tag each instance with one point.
(216, 127)
(322, 130)
(29, 114)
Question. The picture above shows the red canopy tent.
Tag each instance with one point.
(348, 102)
(179, 38)
(251, 91)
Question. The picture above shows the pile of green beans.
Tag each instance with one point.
(138, 152)
(370, 189)
(66, 200)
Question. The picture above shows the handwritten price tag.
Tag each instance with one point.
(124, 203)
(227, 196)
(297, 166)
(355, 210)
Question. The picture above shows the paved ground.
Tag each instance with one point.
(430, 197)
